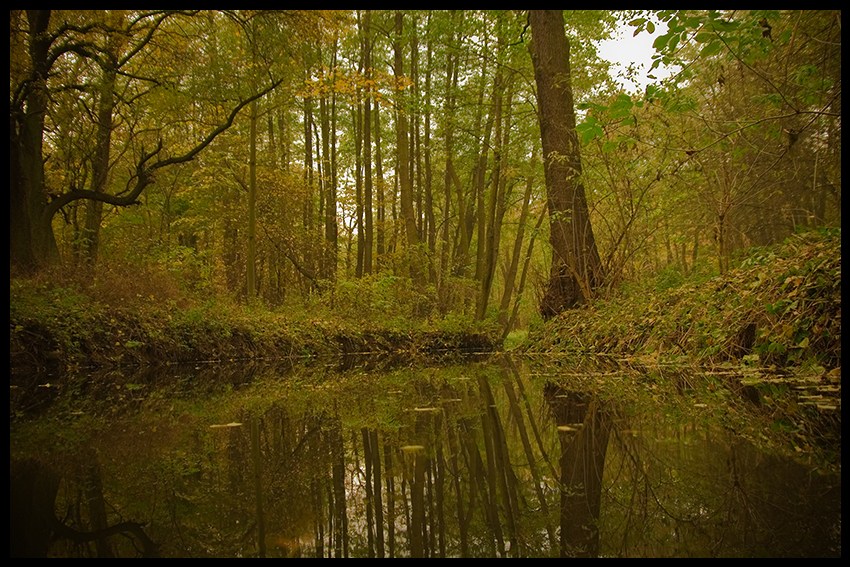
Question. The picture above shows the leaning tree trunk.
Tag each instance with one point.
(576, 267)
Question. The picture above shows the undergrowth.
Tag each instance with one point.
(781, 306)
(139, 315)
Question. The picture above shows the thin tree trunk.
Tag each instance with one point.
(273, 153)
(328, 191)
(481, 181)
(368, 242)
(358, 184)
(100, 160)
(448, 137)
(513, 268)
(252, 206)
(307, 206)
(430, 223)
(405, 190)
(415, 138)
(495, 209)
(379, 175)
(331, 226)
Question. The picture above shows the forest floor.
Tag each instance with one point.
(760, 345)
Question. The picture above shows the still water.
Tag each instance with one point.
(488, 457)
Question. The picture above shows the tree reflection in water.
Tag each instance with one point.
(482, 459)
(583, 429)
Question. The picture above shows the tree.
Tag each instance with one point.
(576, 269)
(402, 149)
(32, 204)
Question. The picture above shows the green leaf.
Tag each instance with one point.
(673, 42)
(589, 130)
(650, 27)
(704, 37)
(711, 49)
(621, 107)
(660, 42)
(637, 21)
(725, 25)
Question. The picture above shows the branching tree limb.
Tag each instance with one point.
(144, 174)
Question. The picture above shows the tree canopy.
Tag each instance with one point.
(395, 156)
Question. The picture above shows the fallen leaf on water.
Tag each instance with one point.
(223, 425)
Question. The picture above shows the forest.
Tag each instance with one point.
(481, 165)
(427, 283)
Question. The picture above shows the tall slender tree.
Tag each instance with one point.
(403, 155)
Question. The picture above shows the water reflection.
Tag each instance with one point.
(480, 459)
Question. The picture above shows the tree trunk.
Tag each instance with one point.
(496, 207)
(367, 148)
(379, 176)
(576, 268)
(513, 268)
(100, 160)
(327, 212)
(405, 190)
(307, 205)
(252, 207)
(430, 224)
(480, 177)
(32, 243)
(331, 226)
(448, 136)
(358, 183)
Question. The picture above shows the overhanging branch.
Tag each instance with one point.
(144, 174)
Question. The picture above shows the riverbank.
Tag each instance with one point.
(780, 308)
(759, 348)
(64, 327)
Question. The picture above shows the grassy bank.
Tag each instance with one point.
(66, 325)
(780, 307)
